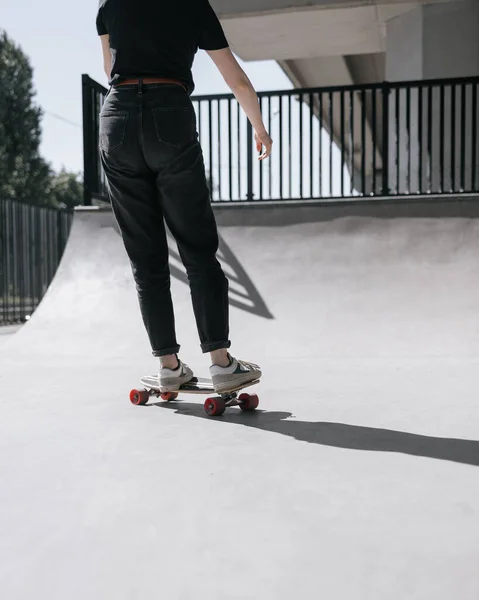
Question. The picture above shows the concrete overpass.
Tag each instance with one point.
(341, 42)
(345, 42)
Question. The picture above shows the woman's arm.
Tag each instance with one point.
(242, 88)
(105, 44)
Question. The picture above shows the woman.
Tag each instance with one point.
(155, 170)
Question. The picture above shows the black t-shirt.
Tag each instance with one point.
(158, 38)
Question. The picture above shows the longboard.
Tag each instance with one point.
(214, 406)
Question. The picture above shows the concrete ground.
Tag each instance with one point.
(358, 477)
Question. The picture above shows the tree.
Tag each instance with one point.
(66, 189)
(24, 174)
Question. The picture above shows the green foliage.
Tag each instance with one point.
(24, 174)
(66, 189)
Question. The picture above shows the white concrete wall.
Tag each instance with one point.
(434, 41)
(404, 36)
(429, 42)
(451, 39)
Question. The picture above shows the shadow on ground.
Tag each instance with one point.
(243, 294)
(341, 435)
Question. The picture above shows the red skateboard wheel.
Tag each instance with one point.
(215, 407)
(139, 397)
(169, 396)
(248, 402)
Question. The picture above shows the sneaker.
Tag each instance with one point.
(172, 379)
(237, 373)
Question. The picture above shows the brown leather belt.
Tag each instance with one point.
(151, 80)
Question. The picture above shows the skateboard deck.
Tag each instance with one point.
(214, 406)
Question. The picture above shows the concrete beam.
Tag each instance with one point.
(332, 71)
(229, 8)
(307, 30)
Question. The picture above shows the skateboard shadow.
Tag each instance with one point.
(243, 294)
(342, 435)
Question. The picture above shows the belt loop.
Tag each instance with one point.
(140, 86)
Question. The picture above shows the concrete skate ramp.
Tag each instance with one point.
(359, 477)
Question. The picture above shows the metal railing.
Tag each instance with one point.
(379, 140)
(32, 241)
(94, 181)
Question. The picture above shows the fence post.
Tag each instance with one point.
(87, 142)
(3, 276)
(250, 195)
(386, 90)
(60, 244)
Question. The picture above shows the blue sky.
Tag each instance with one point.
(61, 41)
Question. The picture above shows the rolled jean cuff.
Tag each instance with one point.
(212, 346)
(166, 351)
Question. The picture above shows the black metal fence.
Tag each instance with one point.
(380, 140)
(94, 183)
(32, 241)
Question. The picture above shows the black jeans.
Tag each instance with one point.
(155, 169)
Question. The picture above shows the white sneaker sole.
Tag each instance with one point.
(234, 383)
(173, 385)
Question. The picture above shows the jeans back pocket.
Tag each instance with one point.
(175, 126)
(112, 130)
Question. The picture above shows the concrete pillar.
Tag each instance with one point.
(429, 42)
